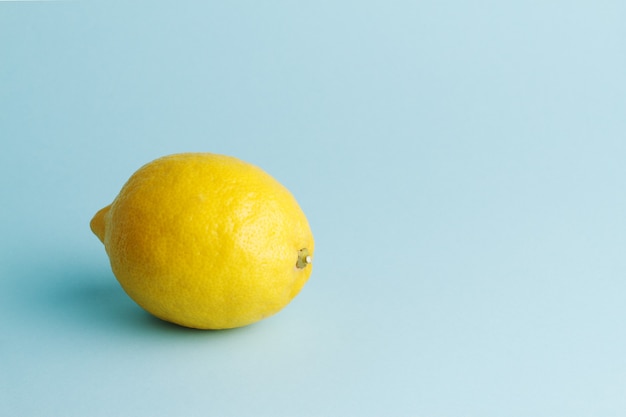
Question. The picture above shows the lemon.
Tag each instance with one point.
(206, 241)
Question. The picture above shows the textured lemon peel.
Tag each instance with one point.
(156, 227)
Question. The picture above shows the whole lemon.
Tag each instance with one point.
(206, 241)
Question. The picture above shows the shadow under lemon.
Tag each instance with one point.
(93, 300)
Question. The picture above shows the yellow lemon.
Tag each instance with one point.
(206, 241)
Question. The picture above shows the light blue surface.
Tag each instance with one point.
(462, 164)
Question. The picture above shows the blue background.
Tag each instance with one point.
(462, 165)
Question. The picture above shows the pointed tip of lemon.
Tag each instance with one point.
(97, 224)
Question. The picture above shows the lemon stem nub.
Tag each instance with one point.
(303, 258)
(98, 223)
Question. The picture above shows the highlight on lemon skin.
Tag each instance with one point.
(206, 241)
